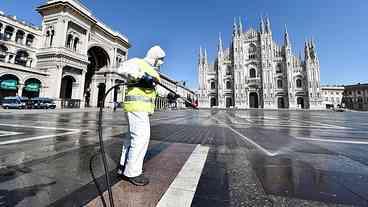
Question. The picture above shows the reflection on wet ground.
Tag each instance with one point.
(256, 157)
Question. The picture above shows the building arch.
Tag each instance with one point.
(99, 59)
(280, 102)
(300, 102)
(8, 32)
(32, 87)
(228, 102)
(67, 87)
(30, 40)
(19, 36)
(253, 100)
(21, 57)
(212, 84)
(9, 84)
(252, 73)
(102, 46)
(213, 101)
(298, 83)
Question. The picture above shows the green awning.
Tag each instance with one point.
(9, 84)
(32, 87)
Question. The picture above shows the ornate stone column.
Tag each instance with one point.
(81, 89)
(20, 89)
(12, 59)
(7, 57)
(2, 30)
(110, 97)
(12, 38)
(93, 92)
(24, 39)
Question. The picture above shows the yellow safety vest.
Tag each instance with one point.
(141, 99)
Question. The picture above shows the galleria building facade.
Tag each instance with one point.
(255, 72)
(72, 58)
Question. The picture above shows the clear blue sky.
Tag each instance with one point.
(339, 28)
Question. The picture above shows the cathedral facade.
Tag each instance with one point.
(255, 72)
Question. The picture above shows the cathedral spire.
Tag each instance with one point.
(205, 57)
(286, 38)
(313, 49)
(240, 26)
(220, 47)
(306, 50)
(262, 25)
(200, 55)
(268, 25)
(235, 28)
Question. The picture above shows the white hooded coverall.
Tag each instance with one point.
(135, 148)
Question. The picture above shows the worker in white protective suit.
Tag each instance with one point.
(139, 104)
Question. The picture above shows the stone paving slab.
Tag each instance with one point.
(235, 173)
(161, 170)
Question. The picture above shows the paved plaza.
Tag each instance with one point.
(195, 158)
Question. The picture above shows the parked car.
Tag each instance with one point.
(13, 103)
(27, 102)
(43, 103)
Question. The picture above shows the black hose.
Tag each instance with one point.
(100, 192)
(102, 147)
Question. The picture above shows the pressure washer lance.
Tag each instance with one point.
(102, 147)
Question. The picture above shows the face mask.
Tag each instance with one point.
(158, 63)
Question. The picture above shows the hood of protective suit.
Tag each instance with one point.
(155, 56)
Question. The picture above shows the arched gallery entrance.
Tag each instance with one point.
(229, 102)
(8, 85)
(98, 59)
(253, 100)
(213, 102)
(300, 102)
(280, 103)
(66, 90)
(31, 88)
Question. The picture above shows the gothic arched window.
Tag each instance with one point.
(228, 85)
(298, 83)
(252, 73)
(278, 68)
(252, 48)
(279, 83)
(213, 85)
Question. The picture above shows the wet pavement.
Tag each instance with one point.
(254, 158)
